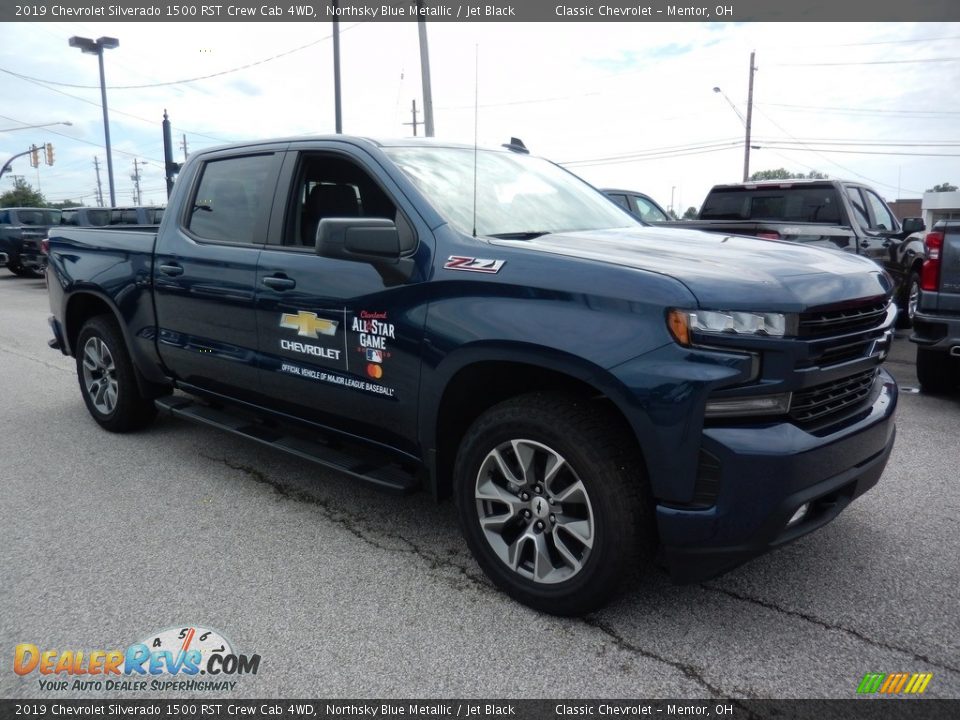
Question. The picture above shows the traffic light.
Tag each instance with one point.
(34, 156)
(49, 149)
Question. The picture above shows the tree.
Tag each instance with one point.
(784, 174)
(22, 195)
(64, 204)
(690, 214)
(942, 187)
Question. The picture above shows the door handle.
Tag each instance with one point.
(864, 244)
(172, 270)
(279, 282)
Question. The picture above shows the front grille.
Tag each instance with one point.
(838, 322)
(816, 404)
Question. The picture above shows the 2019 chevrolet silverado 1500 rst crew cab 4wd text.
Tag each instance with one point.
(591, 391)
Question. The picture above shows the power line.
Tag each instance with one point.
(820, 154)
(885, 111)
(658, 150)
(179, 82)
(114, 111)
(868, 62)
(657, 156)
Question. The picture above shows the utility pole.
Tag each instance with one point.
(96, 164)
(746, 145)
(183, 144)
(137, 196)
(413, 111)
(338, 115)
(425, 75)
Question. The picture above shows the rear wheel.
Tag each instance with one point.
(107, 378)
(909, 300)
(937, 371)
(551, 496)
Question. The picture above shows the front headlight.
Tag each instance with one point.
(735, 322)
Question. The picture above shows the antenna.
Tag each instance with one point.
(476, 115)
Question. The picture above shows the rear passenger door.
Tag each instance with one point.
(341, 341)
(205, 273)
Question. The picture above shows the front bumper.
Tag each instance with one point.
(767, 473)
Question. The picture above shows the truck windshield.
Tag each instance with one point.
(812, 204)
(517, 195)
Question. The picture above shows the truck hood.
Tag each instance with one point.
(726, 272)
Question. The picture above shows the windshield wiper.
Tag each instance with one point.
(529, 235)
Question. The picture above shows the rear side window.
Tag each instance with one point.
(619, 199)
(230, 198)
(98, 218)
(4, 217)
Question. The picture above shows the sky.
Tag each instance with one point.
(623, 104)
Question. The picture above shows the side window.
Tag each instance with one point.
(333, 187)
(646, 210)
(620, 200)
(229, 198)
(859, 209)
(882, 219)
(4, 218)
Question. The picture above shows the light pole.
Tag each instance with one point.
(96, 47)
(41, 125)
(747, 121)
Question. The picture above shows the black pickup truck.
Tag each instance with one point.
(22, 231)
(833, 214)
(592, 392)
(936, 327)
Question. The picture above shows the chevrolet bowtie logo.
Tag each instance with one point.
(307, 324)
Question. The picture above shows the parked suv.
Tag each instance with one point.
(21, 230)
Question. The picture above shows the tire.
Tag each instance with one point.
(909, 299)
(937, 372)
(108, 380)
(586, 486)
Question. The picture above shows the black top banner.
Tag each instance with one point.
(489, 11)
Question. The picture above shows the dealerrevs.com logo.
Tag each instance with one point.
(186, 659)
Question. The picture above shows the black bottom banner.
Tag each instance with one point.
(212, 709)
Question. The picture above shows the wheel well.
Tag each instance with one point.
(80, 309)
(476, 388)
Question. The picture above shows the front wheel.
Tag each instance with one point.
(551, 496)
(108, 380)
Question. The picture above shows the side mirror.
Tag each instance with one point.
(912, 225)
(373, 240)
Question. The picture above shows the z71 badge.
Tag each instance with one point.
(471, 264)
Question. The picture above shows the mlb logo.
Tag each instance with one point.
(374, 355)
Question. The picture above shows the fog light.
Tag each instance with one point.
(799, 515)
(746, 406)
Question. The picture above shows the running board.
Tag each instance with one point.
(362, 463)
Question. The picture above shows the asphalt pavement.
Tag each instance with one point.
(347, 592)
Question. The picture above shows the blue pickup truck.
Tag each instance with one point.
(593, 393)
